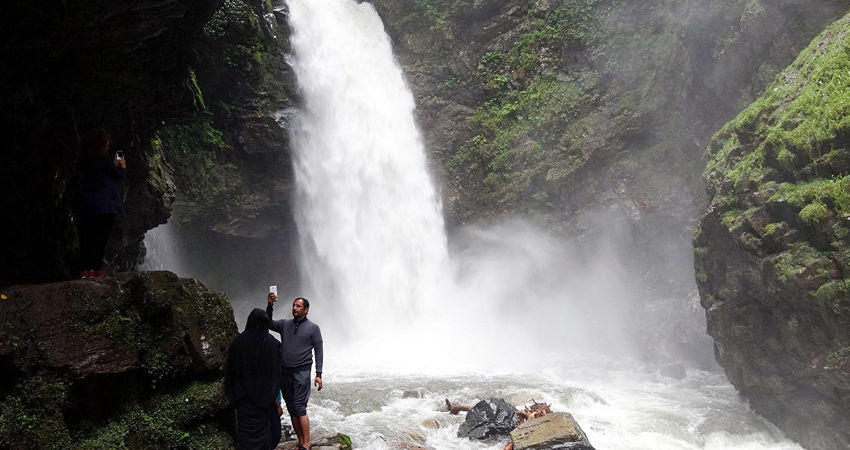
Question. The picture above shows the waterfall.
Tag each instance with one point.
(369, 218)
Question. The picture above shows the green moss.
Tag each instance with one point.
(31, 414)
(197, 150)
(195, 90)
(814, 213)
(238, 36)
(749, 168)
(839, 356)
(833, 192)
(702, 276)
(836, 294)
(800, 257)
(775, 227)
(732, 218)
(178, 418)
(530, 133)
(799, 126)
(192, 137)
(785, 157)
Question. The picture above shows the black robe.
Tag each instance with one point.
(252, 382)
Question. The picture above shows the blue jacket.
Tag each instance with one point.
(98, 191)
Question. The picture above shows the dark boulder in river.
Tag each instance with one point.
(489, 418)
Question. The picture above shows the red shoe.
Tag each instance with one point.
(86, 274)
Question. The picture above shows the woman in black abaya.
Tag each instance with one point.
(252, 381)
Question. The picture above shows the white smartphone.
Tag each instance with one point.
(273, 289)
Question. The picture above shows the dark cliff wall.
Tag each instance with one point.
(70, 67)
(773, 249)
(233, 173)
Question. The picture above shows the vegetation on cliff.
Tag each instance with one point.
(554, 107)
(233, 155)
(773, 254)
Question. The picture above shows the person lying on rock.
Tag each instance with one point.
(299, 339)
(252, 383)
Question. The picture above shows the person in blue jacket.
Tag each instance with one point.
(98, 200)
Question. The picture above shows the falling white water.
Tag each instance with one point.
(161, 254)
(369, 218)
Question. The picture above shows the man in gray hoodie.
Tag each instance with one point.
(299, 338)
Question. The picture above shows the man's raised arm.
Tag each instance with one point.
(273, 324)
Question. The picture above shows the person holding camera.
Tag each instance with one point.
(97, 199)
(299, 339)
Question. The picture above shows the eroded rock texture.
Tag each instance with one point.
(772, 251)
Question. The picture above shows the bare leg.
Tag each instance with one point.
(304, 425)
(296, 425)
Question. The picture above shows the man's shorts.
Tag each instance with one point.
(295, 388)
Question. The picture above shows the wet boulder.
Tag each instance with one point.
(489, 418)
(555, 431)
(132, 360)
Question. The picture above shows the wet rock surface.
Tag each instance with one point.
(552, 431)
(85, 362)
(321, 442)
(489, 418)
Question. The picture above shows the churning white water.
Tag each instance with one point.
(512, 313)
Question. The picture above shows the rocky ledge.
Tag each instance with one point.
(133, 361)
(772, 251)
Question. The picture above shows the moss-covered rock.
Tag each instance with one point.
(120, 363)
(780, 277)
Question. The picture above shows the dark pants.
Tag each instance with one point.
(295, 388)
(94, 232)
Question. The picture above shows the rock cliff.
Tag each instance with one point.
(773, 253)
(131, 362)
(69, 68)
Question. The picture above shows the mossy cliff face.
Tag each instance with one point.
(558, 107)
(231, 163)
(127, 363)
(70, 68)
(773, 249)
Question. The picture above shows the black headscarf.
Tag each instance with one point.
(252, 377)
